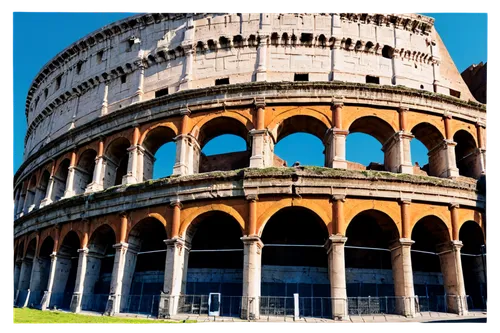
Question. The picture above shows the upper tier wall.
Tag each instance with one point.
(132, 60)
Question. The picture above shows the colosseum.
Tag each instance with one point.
(243, 234)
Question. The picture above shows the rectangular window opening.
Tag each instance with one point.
(455, 93)
(301, 77)
(219, 82)
(79, 67)
(372, 79)
(58, 82)
(123, 78)
(161, 92)
(99, 55)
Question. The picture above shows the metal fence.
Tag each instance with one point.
(439, 303)
(141, 304)
(230, 306)
(94, 302)
(276, 306)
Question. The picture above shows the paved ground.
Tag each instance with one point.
(424, 317)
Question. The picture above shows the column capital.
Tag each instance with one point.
(252, 239)
(338, 197)
(252, 197)
(396, 244)
(403, 108)
(183, 111)
(84, 250)
(123, 214)
(480, 123)
(259, 102)
(404, 201)
(453, 205)
(447, 115)
(176, 203)
(450, 246)
(178, 242)
(120, 245)
(337, 102)
(337, 239)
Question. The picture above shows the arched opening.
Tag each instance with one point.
(159, 154)
(465, 154)
(25, 275)
(230, 149)
(300, 139)
(60, 179)
(30, 194)
(473, 255)
(18, 257)
(428, 233)
(146, 259)
(84, 172)
(66, 269)
(367, 255)
(215, 261)
(116, 162)
(377, 129)
(41, 191)
(419, 158)
(294, 260)
(431, 138)
(100, 261)
(41, 272)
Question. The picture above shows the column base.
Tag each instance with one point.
(408, 169)
(112, 305)
(168, 306)
(44, 304)
(250, 308)
(129, 179)
(339, 164)
(31, 207)
(261, 76)
(68, 194)
(457, 304)
(76, 301)
(93, 187)
(45, 202)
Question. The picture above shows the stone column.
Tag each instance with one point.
(262, 141)
(480, 128)
(24, 280)
(31, 199)
(20, 205)
(261, 72)
(123, 270)
(104, 105)
(451, 267)
(252, 257)
(187, 155)
(336, 273)
(17, 273)
(98, 176)
(397, 153)
(70, 186)
(175, 268)
(337, 53)
(137, 97)
(188, 47)
(50, 187)
(45, 303)
(76, 300)
(335, 152)
(133, 153)
(442, 161)
(402, 274)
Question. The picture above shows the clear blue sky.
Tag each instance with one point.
(55, 31)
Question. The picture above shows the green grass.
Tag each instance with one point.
(31, 316)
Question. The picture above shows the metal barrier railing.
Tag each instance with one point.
(94, 302)
(230, 306)
(442, 303)
(276, 306)
(141, 304)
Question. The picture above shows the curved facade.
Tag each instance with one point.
(94, 231)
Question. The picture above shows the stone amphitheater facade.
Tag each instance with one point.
(87, 209)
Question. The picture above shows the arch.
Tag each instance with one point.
(47, 247)
(436, 229)
(156, 136)
(188, 220)
(116, 154)
(85, 170)
(155, 216)
(428, 134)
(354, 207)
(60, 178)
(42, 187)
(281, 122)
(388, 226)
(145, 227)
(472, 237)
(30, 193)
(216, 126)
(374, 126)
(101, 235)
(466, 159)
(70, 243)
(266, 216)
